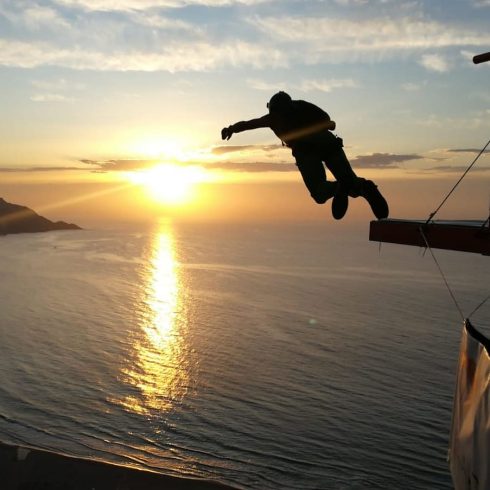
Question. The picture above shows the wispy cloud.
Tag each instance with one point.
(320, 85)
(33, 16)
(173, 57)
(435, 62)
(221, 150)
(51, 98)
(127, 5)
(326, 85)
(336, 39)
(55, 90)
(375, 160)
(127, 165)
(467, 150)
(266, 86)
(351, 2)
(252, 166)
(149, 35)
(453, 169)
(37, 169)
(57, 85)
(257, 165)
(382, 160)
(118, 165)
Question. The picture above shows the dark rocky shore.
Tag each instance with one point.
(21, 219)
(31, 469)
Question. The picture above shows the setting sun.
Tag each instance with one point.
(170, 183)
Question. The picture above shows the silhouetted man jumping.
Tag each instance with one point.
(305, 128)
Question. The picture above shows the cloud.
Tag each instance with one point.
(326, 85)
(304, 86)
(57, 85)
(328, 39)
(467, 150)
(157, 21)
(252, 166)
(126, 165)
(266, 86)
(172, 57)
(51, 98)
(119, 165)
(435, 62)
(351, 2)
(375, 160)
(33, 17)
(128, 5)
(134, 35)
(221, 150)
(382, 160)
(454, 169)
(481, 3)
(37, 169)
(51, 89)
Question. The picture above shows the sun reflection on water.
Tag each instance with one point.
(158, 371)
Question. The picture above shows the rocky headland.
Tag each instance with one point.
(21, 219)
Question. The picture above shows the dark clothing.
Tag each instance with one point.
(304, 127)
(310, 162)
(301, 125)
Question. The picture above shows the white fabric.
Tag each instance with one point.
(469, 449)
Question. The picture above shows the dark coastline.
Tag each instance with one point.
(21, 219)
(23, 468)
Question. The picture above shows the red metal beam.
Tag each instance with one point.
(464, 236)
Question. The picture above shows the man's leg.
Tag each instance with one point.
(315, 177)
(337, 162)
(350, 184)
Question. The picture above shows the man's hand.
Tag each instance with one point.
(226, 133)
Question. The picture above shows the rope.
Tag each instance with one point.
(457, 183)
(479, 306)
(443, 276)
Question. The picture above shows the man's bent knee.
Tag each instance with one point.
(321, 194)
(319, 198)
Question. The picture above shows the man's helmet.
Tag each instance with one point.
(279, 102)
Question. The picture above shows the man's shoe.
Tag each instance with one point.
(340, 203)
(375, 199)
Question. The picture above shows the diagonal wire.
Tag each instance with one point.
(479, 306)
(457, 183)
(442, 274)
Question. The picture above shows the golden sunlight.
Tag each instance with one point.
(159, 371)
(170, 183)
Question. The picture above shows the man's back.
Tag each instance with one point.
(302, 123)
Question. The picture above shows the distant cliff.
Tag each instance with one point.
(20, 219)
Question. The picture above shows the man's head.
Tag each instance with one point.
(279, 103)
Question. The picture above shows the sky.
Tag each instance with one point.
(96, 93)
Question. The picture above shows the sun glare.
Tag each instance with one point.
(169, 183)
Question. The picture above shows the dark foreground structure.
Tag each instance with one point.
(463, 236)
(32, 469)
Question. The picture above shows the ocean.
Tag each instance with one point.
(261, 356)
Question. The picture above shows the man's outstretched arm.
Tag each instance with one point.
(261, 122)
